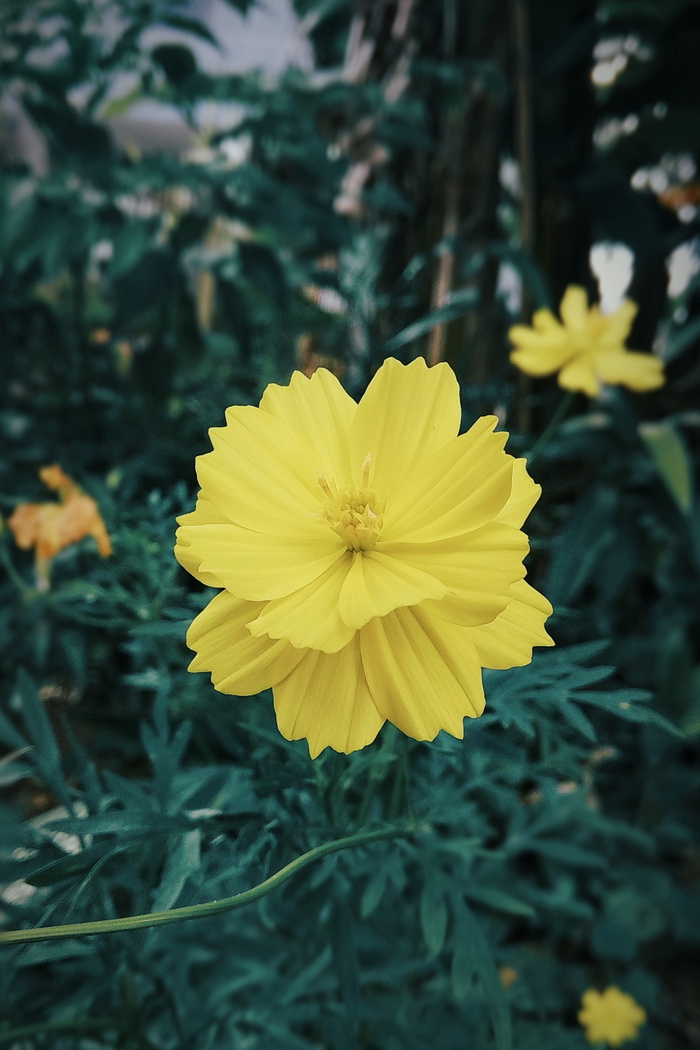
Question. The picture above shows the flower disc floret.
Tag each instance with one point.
(370, 559)
(356, 515)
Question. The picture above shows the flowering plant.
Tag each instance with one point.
(586, 348)
(610, 1016)
(49, 527)
(370, 559)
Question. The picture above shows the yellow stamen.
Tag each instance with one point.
(355, 514)
(366, 464)
(325, 486)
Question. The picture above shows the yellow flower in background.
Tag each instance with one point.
(370, 558)
(586, 349)
(611, 1016)
(49, 527)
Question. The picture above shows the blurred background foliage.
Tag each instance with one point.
(177, 229)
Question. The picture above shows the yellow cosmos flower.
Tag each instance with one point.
(49, 527)
(587, 348)
(370, 558)
(611, 1016)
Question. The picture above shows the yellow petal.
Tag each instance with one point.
(262, 474)
(524, 495)
(508, 640)
(309, 618)
(238, 663)
(323, 412)
(326, 701)
(478, 569)
(189, 555)
(461, 487)
(376, 584)
(406, 413)
(616, 325)
(579, 374)
(552, 344)
(545, 321)
(422, 672)
(637, 371)
(543, 359)
(257, 567)
(573, 308)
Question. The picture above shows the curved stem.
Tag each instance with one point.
(562, 408)
(200, 911)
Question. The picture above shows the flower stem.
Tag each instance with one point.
(562, 408)
(200, 911)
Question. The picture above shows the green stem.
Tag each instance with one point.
(562, 409)
(376, 775)
(200, 911)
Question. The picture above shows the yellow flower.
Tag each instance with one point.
(587, 349)
(371, 559)
(49, 527)
(610, 1016)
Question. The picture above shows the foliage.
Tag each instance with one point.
(363, 209)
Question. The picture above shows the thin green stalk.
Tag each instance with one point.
(562, 409)
(376, 775)
(200, 911)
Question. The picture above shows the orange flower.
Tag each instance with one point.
(49, 527)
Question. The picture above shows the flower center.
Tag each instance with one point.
(354, 513)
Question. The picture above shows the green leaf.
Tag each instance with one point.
(566, 853)
(433, 914)
(670, 456)
(38, 724)
(65, 867)
(577, 549)
(373, 893)
(37, 954)
(576, 718)
(678, 341)
(491, 983)
(345, 955)
(183, 861)
(465, 957)
(498, 900)
(9, 735)
(461, 302)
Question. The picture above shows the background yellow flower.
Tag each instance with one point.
(371, 560)
(610, 1016)
(586, 349)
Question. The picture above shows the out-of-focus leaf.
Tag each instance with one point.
(465, 957)
(345, 955)
(54, 951)
(578, 546)
(460, 303)
(373, 893)
(433, 914)
(670, 456)
(497, 899)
